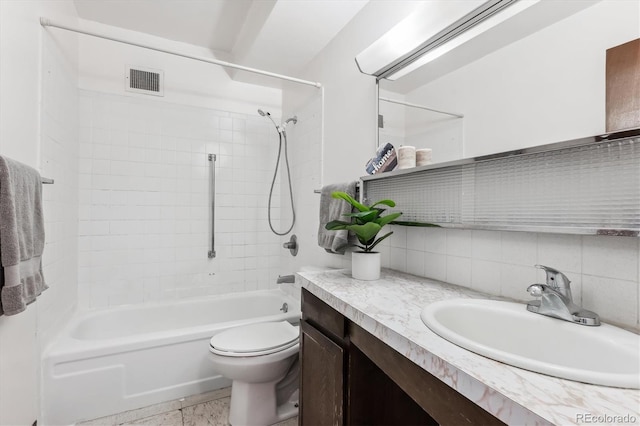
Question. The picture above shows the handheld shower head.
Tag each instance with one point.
(266, 114)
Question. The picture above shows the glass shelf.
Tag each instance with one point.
(583, 186)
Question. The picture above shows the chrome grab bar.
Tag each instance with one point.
(212, 198)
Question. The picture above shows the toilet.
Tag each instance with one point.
(262, 361)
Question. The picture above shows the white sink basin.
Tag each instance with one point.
(507, 332)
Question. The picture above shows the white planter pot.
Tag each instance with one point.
(365, 266)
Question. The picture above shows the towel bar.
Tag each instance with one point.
(319, 191)
(47, 181)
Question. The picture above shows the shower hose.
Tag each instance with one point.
(283, 136)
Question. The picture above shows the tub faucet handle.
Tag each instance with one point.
(292, 245)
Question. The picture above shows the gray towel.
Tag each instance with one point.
(333, 209)
(21, 236)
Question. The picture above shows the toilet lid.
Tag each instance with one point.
(254, 339)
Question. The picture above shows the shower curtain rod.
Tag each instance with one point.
(46, 22)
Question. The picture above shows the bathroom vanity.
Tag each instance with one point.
(367, 358)
(351, 377)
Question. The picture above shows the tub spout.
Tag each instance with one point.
(286, 279)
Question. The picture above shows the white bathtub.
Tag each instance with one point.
(119, 359)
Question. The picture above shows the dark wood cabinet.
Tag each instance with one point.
(321, 370)
(322, 363)
(350, 377)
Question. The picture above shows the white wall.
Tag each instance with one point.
(29, 58)
(305, 159)
(59, 161)
(531, 101)
(144, 203)
(545, 88)
(349, 113)
(144, 179)
(187, 81)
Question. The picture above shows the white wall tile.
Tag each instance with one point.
(514, 280)
(398, 259)
(519, 248)
(614, 300)
(614, 257)
(459, 270)
(399, 237)
(486, 245)
(436, 240)
(144, 214)
(415, 239)
(485, 276)
(435, 266)
(458, 242)
(415, 262)
(562, 252)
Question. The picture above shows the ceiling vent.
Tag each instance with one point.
(144, 80)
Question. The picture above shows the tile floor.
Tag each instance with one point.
(209, 409)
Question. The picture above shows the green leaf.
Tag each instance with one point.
(336, 225)
(388, 218)
(420, 224)
(389, 203)
(349, 199)
(365, 232)
(378, 241)
(367, 216)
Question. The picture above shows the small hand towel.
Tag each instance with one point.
(333, 209)
(21, 236)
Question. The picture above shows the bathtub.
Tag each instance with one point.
(118, 359)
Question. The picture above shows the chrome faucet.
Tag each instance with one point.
(286, 279)
(556, 300)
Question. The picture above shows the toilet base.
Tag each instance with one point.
(254, 404)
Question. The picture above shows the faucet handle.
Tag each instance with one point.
(557, 280)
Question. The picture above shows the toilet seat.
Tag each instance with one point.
(255, 339)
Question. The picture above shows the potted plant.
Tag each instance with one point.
(366, 223)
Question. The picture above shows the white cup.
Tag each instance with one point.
(423, 156)
(406, 157)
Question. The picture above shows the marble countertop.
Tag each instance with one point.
(390, 307)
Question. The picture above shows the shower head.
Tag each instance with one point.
(266, 114)
(293, 119)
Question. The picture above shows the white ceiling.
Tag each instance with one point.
(280, 36)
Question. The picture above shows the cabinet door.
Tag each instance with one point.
(321, 387)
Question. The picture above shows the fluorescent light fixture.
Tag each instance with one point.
(469, 34)
(432, 31)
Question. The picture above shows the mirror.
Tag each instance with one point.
(406, 123)
(536, 78)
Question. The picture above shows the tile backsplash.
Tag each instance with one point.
(604, 271)
(144, 227)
